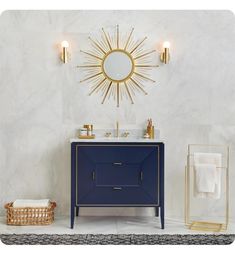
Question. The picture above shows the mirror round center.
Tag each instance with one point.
(118, 65)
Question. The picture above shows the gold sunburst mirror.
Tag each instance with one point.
(117, 66)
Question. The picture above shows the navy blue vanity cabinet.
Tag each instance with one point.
(117, 174)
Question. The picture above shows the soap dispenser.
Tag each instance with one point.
(150, 129)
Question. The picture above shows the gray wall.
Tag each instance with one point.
(42, 103)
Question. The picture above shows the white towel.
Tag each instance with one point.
(207, 158)
(213, 159)
(205, 177)
(31, 203)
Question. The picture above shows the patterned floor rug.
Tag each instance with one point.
(45, 239)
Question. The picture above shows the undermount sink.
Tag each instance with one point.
(118, 138)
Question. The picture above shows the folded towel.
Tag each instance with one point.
(205, 177)
(209, 158)
(31, 203)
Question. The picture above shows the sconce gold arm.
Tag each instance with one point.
(165, 56)
(65, 56)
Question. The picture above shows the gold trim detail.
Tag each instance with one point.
(95, 71)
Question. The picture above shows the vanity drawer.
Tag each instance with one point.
(122, 154)
(117, 195)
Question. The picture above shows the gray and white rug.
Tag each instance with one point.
(90, 239)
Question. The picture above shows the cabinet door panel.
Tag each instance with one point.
(84, 175)
(117, 175)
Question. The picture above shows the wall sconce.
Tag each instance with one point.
(65, 54)
(165, 55)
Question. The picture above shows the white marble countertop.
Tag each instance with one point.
(116, 140)
(135, 136)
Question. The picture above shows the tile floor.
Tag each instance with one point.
(106, 225)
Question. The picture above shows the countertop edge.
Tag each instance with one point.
(114, 141)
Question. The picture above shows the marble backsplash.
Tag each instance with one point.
(42, 103)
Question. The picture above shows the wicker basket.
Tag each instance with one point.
(30, 215)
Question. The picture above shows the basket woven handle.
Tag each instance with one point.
(53, 205)
(8, 205)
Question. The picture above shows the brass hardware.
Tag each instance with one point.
(107, 91)
(117, 129)
(89, 129)
(144, 77)
(65, 56)
(151, 132)
(86, 136)
(92, 76)
(118, 91)
(206, 226)
(117, 163)
(128, 39)
(117, 36)
(128, 93)
(107, 39)
(125, 134)
(138, 86)
(97, 86)
(145, 54)
(137, 46)
(141, 175)
(117, 188)
(108, 134)
(150, 129)
(101, 81)
(91, 55)
(88, 126)
(165, 55)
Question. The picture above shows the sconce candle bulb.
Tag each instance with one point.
(165, 55)
(65, 53)
(65, 44)
(166, 45)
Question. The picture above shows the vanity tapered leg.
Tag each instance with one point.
(73, 184)
(162, 217)
(72, 217)
(162, 207)
(156, 211)
(77, 211)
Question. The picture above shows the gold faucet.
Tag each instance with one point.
(108, 134)
(125, 134)
(117, 129)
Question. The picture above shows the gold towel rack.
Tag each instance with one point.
(206, 225)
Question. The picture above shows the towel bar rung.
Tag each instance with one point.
(222, 167)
